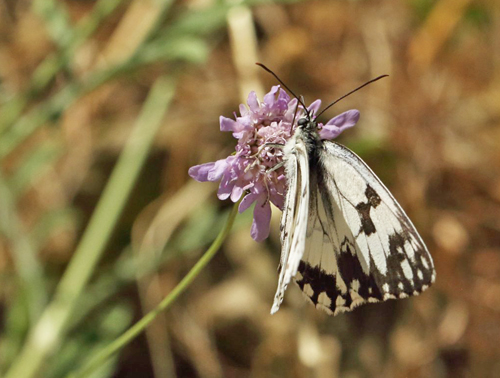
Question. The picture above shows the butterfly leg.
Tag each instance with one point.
(275, 145)
(277, 166)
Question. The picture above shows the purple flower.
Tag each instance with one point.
(249, 171)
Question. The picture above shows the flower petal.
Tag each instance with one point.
(243, 110)
(252, 101)
(200, 172)
(247, 201)
(236, 193)
(314, 107)
(228, 124)
(227, 182)
(278, 201)
(276, 192)
(336, 125)
(225, 188)
(270, 97)
(261, 221)
(282, 100)
(346, 119)
(220, 166)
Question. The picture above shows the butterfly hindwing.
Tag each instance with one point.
(360, 246)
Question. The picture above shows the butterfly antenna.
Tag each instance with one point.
(350, 93)
(286, 87)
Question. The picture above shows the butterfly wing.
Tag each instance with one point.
(360, 245)
(295, 213)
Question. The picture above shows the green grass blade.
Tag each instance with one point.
(47, 334)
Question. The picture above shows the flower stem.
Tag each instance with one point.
(138, 327)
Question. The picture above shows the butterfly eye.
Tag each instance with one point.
(302, 122)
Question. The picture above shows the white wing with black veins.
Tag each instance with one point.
(360, 246)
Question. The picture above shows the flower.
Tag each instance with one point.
(250, 171)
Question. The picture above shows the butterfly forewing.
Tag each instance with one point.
(294, 216)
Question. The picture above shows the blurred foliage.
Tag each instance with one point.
(104, 105)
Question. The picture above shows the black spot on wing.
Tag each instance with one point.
(397, 283)
(323, 282)
(428, 274)
(363, 208)
(372, 196)
(395, 274)
(367, 225)
(348, 263)
(360, 287)
(350, 270)
(319, 280)
(421, 275)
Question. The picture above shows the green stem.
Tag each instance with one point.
(138, 327)
(24, 253)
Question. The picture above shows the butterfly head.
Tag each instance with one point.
(307, 123)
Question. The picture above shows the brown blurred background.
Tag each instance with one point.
(74, 78)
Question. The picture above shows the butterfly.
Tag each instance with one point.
(345, 240)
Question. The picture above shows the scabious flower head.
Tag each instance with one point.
(250, 172)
